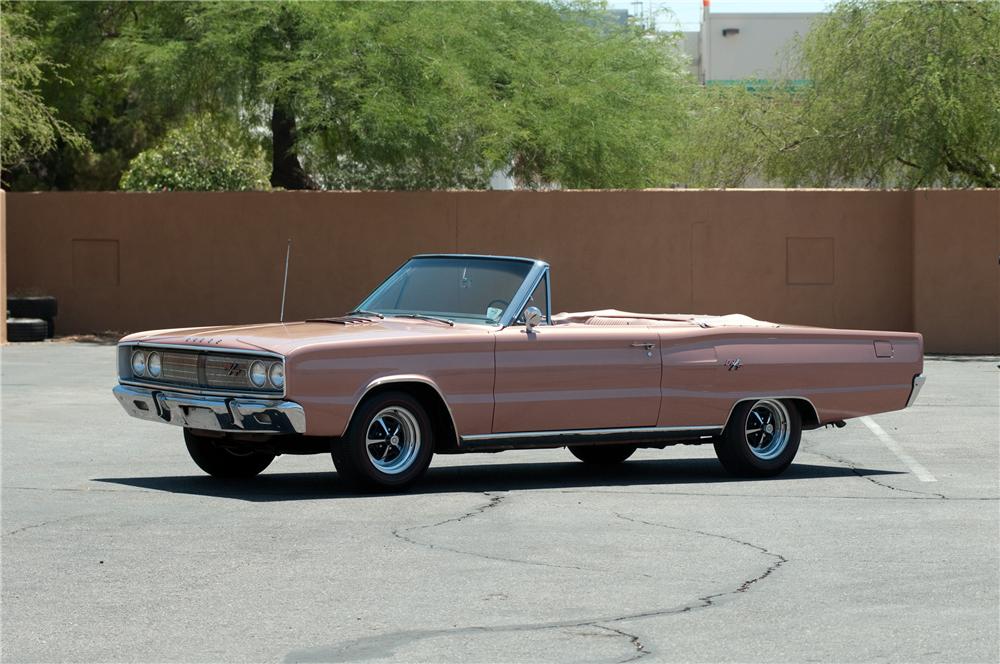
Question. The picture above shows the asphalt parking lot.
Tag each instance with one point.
(116, 548)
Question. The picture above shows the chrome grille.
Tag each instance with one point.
(180, 368)
(228, 371)
(216, 370)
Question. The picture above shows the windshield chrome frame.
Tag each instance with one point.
(538, 270)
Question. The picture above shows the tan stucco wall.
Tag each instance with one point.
(3, 264)
(842, 258)
(956, 270)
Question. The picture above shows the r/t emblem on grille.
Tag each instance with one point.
(234, 369)
(734, 365)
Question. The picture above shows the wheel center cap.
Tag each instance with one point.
(769, 428)
(394, 440)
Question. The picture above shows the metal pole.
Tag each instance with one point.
(284, 286)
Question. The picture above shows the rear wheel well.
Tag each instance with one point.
(445, 436)
(810, 418)
(807, 412)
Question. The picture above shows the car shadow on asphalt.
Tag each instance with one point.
(484, 478)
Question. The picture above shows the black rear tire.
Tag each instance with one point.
(219, 460)
(26, 329)
(365, 462)
(602, 455)
(747, 449)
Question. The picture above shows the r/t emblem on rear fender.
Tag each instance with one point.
(734, 365)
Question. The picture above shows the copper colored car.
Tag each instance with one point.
(461, 353)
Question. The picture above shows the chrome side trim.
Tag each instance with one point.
(758, 398)
(404, 378)
(212, 413)
(589, 432)
(918, 383)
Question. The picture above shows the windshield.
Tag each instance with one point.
(459, 288)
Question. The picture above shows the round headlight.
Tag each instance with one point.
(153, 364)
(276, 374)
(138, 363)
(258, 374)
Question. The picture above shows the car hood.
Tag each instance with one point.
(284, 338)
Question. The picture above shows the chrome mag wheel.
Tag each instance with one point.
(766, 429)
(393, 440)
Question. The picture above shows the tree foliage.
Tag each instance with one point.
(900, 94)
(738, 133)
(419, 95)
(29, 126)
(375, 94)
(83, 79)
(203, 155)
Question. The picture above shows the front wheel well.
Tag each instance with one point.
(445, 436)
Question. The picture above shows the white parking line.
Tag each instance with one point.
(922, 473)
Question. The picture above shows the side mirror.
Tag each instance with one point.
(532, 318)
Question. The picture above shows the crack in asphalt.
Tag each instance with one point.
(640, 649)
(931, 495)
(495, 501)
(385, 645)
(745, 586)
(43, 524)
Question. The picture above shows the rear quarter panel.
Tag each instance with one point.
(837, 370)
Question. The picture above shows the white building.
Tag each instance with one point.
(739, 46)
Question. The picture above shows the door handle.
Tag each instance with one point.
(647, 346)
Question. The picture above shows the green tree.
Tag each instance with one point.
(900, 94)
(83, 78)
(203, 155)
(374, 94)
(737, 133)
(29, 126)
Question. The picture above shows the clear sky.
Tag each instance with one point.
(687, 13)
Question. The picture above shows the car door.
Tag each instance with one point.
(575, 376)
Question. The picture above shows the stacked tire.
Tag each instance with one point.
(31, 318)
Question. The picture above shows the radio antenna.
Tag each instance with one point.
(284, 286)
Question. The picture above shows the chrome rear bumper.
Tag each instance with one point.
(212, 413)
(918, 382)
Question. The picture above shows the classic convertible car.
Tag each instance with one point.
(461, 353)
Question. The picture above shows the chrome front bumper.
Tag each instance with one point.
(918, 382)
(212, 413)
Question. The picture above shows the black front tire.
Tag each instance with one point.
(221, 461)
(744, 448)
(364, 462)
(602, 455)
